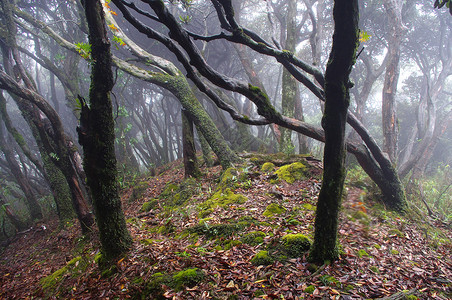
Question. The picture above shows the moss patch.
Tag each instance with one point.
(292, 172)
(149, 205)
(215, 230)
(75, 265)
(296, 244)
(253, 238)
(187, 278)
(262, 258)
(268, 167)
(274, 209)
(223, 198)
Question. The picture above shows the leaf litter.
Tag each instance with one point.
(381, 253)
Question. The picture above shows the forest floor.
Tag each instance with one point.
(199, 240)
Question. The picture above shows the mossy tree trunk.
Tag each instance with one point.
(49, 137)
(289, 83)
(337, 85)
(11, 215)
(96, 134)
(30, 198)
(188, 144)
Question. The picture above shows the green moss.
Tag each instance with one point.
(268, 167)
(328, 280)
(169, 190)
(362, 253)
(294, 222)
(50, 282)
(223, 198)
(187, 278)
(296, 244)
(231, 243)
(262, 258)
(215, 230)
(309, 206)
(292, 172)
(396, 232)
(253, 238)
(274, 209)
(310, 289)
(154, 287)
(149, 205)
(374, 269)
(394, 252)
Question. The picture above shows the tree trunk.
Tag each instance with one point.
(12, 217)
(337, 98)
(289, 83)
(30, 198)
(96, 135)
(389, 115)
(188, 144)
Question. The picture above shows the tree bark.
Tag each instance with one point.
(389, 115)
(30, 198)
(96, 135)
(289, 83)
(188, 144)
(337, 98)
(12, 216)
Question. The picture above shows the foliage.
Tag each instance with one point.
(84, 50)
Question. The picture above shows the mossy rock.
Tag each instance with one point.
(296, 245)
(262, 258)
(187, 278)
(149, 205)
(292, 172)
(178, 195)
(274, 209)
(253, 238)
(154, 287)
(170, 188)
(223, 198)
(215, 230)
(268, 167)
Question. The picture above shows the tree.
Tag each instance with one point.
(96, 135)
(337, 99)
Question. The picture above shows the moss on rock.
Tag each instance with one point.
(262, 258)
(223, 198)
(187, 278)
(268, 167)
(292, 172)
(296, 244)
(274, 209)
(253, 238)
(149, 205)
(215, 230)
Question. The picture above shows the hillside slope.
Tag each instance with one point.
(239, 235)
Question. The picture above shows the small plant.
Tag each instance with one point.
(84, 50)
